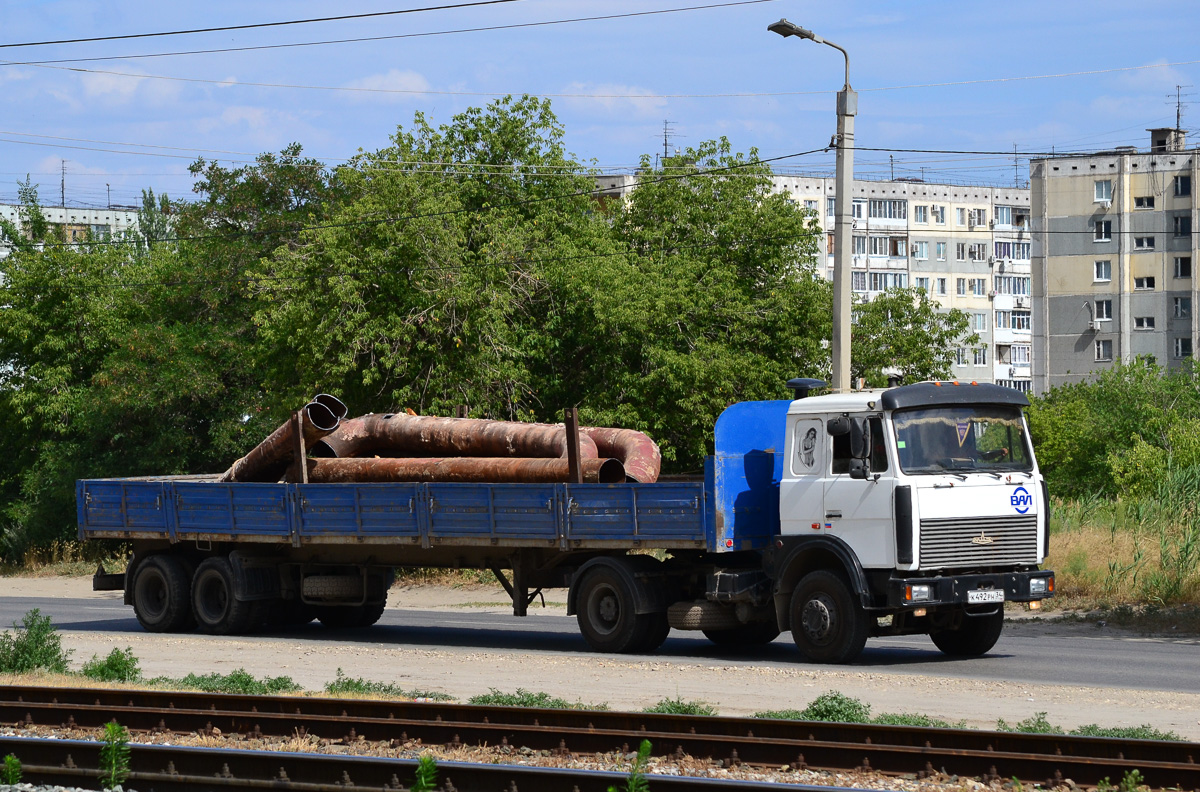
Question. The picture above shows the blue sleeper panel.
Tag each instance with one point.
(749, 443)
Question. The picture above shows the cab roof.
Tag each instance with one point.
(920, 394)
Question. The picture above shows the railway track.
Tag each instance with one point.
(1043, 759)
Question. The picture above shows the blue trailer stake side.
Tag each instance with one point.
(830, 516)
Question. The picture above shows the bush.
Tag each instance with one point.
(1035, 725)
(914, 719)
(10, 771)
(34, 646)
(524, 698)
(239, 681)
(837, 707)
(678, 706)
(117, 667)
(359, 686)
(1143, 732)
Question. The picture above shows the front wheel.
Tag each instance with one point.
(974, 637)
(828, 626)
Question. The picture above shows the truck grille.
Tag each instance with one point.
(956, 541)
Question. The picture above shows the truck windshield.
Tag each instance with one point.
(980, 437)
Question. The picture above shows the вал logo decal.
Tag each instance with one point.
(1021, 500)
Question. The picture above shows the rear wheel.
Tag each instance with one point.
(828, 626)
(753, 634)
(214, 605)
(974, 637)
(607, 617)
(162, 594)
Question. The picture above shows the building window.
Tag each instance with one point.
(860, 246)
(1020, 321)
(831, 207)
(1182, 225)
(941, 285)
(1104, 349)
(1003, 320)
(979, 321)
(898, 247)
(1103, 231)
(830, 243)
(1143, 202)
(1183, 307)
(977, 252)
(1183, 266)
(921, 214)
(978, 286)
(856, 209)
(960, 287)
(810, 205)
(1012, 284)
(1020, 354)
(960, 251)
(1103, 270)
(941, 251)
(1144, 243)
(1143, 284)
(858, 281)
(1183, 347)
(980, 356)
(977, 217)
(1183, 186)
(939, 214)
(1104, 190)
(1004, 215)
(1004, 250)
(878, 246)
(1143, 323)
(921, 250)
(922, 284)
(1021, 251)
(960, 357)
(1103, 309)
(888, 209)
(960, 216)
(881, 281)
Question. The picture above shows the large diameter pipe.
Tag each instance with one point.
(637, 452)
(461, 469)
(399, 435)
(269, 460)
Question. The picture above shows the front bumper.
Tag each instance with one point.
(953, 589)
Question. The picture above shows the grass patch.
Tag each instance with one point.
(525, 698)
(240, 681)
(915, 719)
(835, 707)
(357, 686)
(1040, 724)
(118, 666)
(677, 706)
(33, 645)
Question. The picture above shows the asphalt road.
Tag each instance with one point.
(1082, 655)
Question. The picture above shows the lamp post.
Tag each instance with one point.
(847, 108)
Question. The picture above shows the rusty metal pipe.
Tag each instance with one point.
(461, 469)
(397, 435)
(269, 460)
(637, 452)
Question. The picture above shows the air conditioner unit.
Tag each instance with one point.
(1106, 204)
(1012, 371)
(1022, 302)
(992, 294)
(1095, 325)
(991, 260)
(991, 223)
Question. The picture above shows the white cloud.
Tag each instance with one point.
(109, 87)
(376, 87)
(9, 74)
(610, 97)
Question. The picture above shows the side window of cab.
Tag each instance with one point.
(841, 450)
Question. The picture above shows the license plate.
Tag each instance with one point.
(985, 595)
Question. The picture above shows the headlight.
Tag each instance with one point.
(1038, 586)
(919, 593)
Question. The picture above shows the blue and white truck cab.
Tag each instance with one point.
(914, 509)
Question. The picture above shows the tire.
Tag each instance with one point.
(605, 612)
(655, 629)
(828, 626)
(346, 617)
(974, 637)
(752, 634)
(162, 595)
(214, 605)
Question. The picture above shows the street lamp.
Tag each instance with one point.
(847, 108)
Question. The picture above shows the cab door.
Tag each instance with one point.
(802, 489)
(860, 511)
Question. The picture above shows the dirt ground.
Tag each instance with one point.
(622, 683)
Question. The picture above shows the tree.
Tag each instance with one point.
(905, 331)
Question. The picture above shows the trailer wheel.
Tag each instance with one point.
(216, 609)
(606, 613)
(162, 595)
(827, 625)
(974, 637)
(752, 634)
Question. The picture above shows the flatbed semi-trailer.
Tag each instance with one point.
(714, 554)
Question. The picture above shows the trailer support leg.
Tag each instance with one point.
(518, 590)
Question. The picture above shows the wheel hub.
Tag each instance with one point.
(819, 618)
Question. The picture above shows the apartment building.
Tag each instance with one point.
(1113, 253)
(74, 224)
(967, 247)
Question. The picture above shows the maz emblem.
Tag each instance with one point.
(982, 539)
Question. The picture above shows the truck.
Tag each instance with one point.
(914, 509)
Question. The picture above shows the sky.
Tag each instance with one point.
(934, 79)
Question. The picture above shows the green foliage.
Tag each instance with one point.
(1038, 724)
(114, 755)
(10, 771)
(905, 330)
(118, 666)
(677, 706)
(239, 681)
(1132, 781)
(524, 698)
(914, 719)
(637, 781)
(837, 707)
(427, 773)
(1143, 732)
(359, 686)
(34, 645)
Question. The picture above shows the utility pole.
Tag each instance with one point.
(1016, 168)
(62, 185)
(892, 165)
(106, 187)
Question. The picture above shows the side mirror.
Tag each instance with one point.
(838, 426)
(860, 438)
